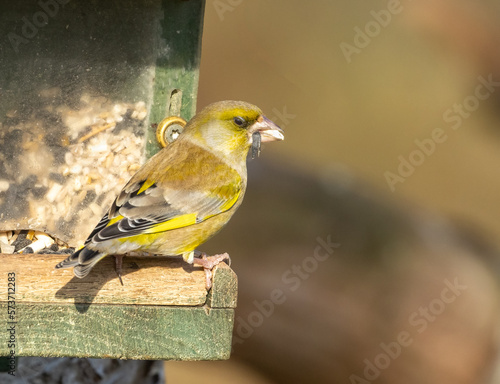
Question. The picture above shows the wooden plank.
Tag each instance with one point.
(177, 65)
(162, 312)
(147, 281)
(121, 331)
(224, 292)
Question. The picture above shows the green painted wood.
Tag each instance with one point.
(125, 332)
(224, 293)
(177, 64)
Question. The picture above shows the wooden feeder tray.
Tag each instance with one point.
(162, 312)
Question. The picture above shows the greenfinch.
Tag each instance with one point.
(185, 193)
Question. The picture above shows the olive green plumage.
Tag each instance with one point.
(185, 193)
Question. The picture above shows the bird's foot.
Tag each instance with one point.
(118, 266)
(208, 263)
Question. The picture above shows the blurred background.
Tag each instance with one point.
(374, 225)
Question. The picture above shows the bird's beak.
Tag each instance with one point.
(267, 129)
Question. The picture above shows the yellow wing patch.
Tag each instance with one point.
(114, 220)
(145, 185)
(177, 222)
(228, 204)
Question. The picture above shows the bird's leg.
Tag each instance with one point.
(118, 266)
(208, 263)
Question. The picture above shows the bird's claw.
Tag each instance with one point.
(208, 263)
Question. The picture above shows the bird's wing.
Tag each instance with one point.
(187, 192)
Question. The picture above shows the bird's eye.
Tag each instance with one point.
(240, 122)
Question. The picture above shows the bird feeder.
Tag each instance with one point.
(83, 87)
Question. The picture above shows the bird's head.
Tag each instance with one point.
(231, 127)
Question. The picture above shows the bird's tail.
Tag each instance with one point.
(82, 260)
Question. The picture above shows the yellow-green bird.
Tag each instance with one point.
(185, 193)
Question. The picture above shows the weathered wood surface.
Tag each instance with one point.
(163, 311)
(122, 331)
(224, 292)
(152, 280)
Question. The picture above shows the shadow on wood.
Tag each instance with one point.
(157, 280)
